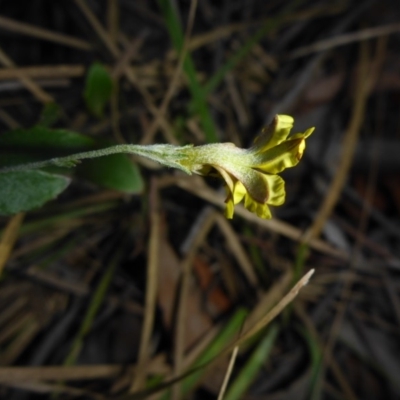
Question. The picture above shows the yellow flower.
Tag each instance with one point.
(272, 152)
(251, 174)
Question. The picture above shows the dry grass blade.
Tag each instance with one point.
(59, 373)
(101, 32)
(223, 32)
(228, 373)
(266, 319)
(15, 326)
(130, 75)
(197, 186)
(268, 299)
(215, 35)
(348, 38)
(113, 19)
(46, 388)
(123, 62)
(202, 314)
(148, 138)
(237, 249)
(78, 288)
(262, 323)
(151, 289)
(179, 349)
(43, 71)
(12, 310)
(9, 237)
(34, 31)
(14, 349)
(8, 120)
(363, 88)
(32, 86)
(237, 101)
(336, 370)
(364, 85)
(73, 373)
(167, 130)
(391, 291)
(200, 347)
(122, 65)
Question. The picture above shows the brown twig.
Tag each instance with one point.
(365, 82)
(179, 339)
(45, 34)
(9, 238)
(151, 289)
(174, 81)
(33, 87)
(43, 71)
(348, 38)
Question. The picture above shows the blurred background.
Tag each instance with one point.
(133, 290)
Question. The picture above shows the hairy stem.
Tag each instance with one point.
(166, 154)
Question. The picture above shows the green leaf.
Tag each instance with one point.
(50, 114)
(25, 190)
(115, 171)
(39, 143)
(98, 90)
(42, 138)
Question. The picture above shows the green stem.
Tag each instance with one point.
(166, 154)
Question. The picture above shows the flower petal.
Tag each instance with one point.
(235, 197)
(251, 174)
(285, 155)
(262, 210)
(253, 181)
(226, 176)
(276, 187)
(230, 207)
(239, 191)
(274, 134)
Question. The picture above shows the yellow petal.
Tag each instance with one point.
(229, 209)
(252, 174)
(261, 210)
(234, 197)
(239, 192)
(226, 176)
(303, 136)
(308, 132)
(252, 180)
(274, 134)
(276, 188)
(285, 155)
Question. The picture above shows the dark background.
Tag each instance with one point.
(333, 65)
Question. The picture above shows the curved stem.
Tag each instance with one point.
(165, 154)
